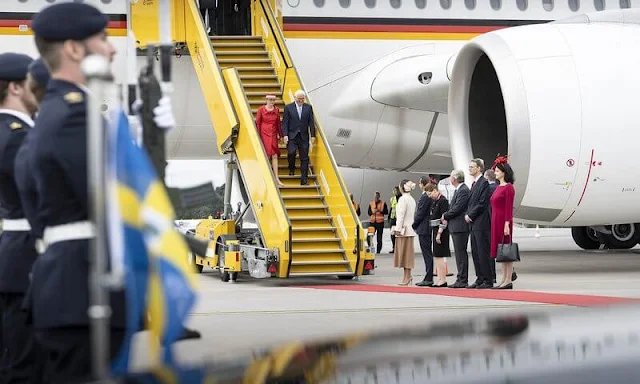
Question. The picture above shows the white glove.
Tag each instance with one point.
(163, 114)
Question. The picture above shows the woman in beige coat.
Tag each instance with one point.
(404, 255)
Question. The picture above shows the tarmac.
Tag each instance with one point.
(236, 319)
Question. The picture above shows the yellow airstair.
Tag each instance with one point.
(313, 229)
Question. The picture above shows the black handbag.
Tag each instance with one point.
(507, 253)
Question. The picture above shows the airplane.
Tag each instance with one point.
(414, 87)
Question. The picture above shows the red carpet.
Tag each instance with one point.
(492, 294)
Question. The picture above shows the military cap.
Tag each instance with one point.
(14, 66)
(39, 72)
(68, 21)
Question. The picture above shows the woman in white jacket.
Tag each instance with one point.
(404, 255)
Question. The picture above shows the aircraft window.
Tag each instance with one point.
(624, 4)
(470, 4)
(574, 5)
(370, 3)
(547, 5)
(318, 3)
(395, 3)
(496, 4)
(345, 3)
(522, 4)
(445, 4)
(599, 4)
(421, 4)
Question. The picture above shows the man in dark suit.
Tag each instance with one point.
(478, 218)
(459, 229)
(297, 126)
(422, 226)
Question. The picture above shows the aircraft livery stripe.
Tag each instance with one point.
(397, 22)
(16, 19)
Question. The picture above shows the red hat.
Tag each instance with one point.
(499, 160)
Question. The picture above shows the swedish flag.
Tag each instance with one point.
(146, 248)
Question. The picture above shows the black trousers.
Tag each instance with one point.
(460, 242)
(23, 359)
(68, 353)
(210, 15)
(427, 255)
(480, 248)
(297, 143)
(379, 231)
(392, 222)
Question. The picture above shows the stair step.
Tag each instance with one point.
(300, 218)
(312, 240)
(295, 177)
(319, 262)
(235, 44)
(263, 85)
(315, 206)
(239, 63)
(308, 186)
(297, 197)
(232, 38)
(317, 274)
(244, 56)
(309, 229)
(312, 251)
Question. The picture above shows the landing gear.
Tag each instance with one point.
(585, 237)
(617, 236)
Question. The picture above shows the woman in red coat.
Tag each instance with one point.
(270, 129)
(502, 216)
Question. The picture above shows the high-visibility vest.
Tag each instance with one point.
(394, 202)
(377, 217)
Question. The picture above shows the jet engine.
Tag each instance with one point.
(560, 100)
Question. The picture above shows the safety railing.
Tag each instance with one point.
(268, 206)
(325, 168)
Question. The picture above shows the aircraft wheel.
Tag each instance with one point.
(624, 236)
(233, 276)
(585, 237)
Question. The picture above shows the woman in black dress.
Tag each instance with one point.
(440, 233)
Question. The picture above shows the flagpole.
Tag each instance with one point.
(96, 70)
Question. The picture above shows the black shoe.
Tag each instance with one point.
(508, 286)
(425, 283)
(459, 284)
(514, 276)
(474, 285)
(440, 286)
(304, 182)
(189, 334)
(485, 286)
(291, 173)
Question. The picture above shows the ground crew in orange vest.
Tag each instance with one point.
(378, 210)
(356, 206)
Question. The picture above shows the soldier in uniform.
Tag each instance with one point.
(17, 245)
(65, 34)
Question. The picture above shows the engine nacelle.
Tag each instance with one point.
(561, 100)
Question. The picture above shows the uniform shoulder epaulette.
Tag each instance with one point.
(74, 97)
(15, 125)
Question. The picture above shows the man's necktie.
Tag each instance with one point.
(473, 184)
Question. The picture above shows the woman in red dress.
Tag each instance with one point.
(502, 216)
(270, 129)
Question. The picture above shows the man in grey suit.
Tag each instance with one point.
(297, 126)
(459, 229)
